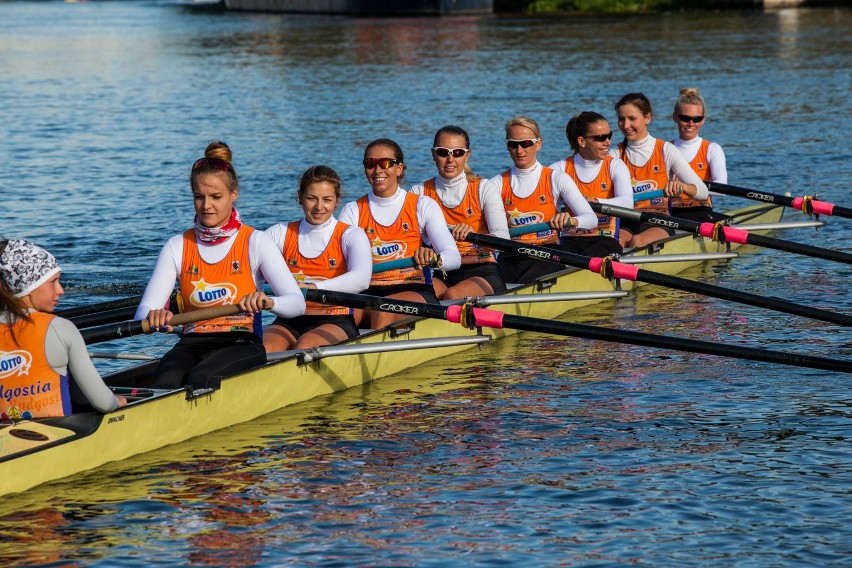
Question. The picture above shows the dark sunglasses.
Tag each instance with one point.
(685, 118)
(214, 163)
(599, 137)
(444, 152)
(384, 163)
(512, 144)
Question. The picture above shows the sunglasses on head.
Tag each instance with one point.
(384, 163)
(214, 163)
(512, 144)
(686, 118)
(444, 152)
(599, 137)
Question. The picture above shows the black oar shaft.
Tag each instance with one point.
(72, 313)
(674, 343)
(733, 234)
(481, 317)
(642, 275)
(100, 318)
(820, 207)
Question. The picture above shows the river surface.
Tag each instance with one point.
(538, 450)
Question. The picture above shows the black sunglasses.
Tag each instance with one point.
(384, 163)
(686, 118)
(444, 152)
(512, 144)
(599, 137)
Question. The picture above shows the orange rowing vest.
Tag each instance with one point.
(652, 176)
(601, 188)
(27, 381)
(469, 212)
(327, 265)
(398, 240)
(700, 166)
(204, 285)
(539, 207)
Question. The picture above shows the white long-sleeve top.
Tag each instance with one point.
(715, 156)
(314, 239)
(640, 152)
(267, 265)
(433, 226)
(66, 354)
(451, 192)
(565, 192)
(588, 170)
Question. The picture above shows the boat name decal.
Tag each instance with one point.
(115, 419)
(37, 388)
(205, 295)
(15, 363)
(760, 196)
(533, 252)
(399, 309)
(663, 222)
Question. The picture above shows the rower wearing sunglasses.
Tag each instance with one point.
(470, 205)
(399, 224)
(533, 194)
(653, 165)
(218, 262)
(322, 253)
(601, 179)
(706, 158)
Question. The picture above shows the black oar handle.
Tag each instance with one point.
(101, 318)
(72, 313)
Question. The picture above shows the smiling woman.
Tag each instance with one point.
(322, 253)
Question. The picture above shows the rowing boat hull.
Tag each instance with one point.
(35, 452)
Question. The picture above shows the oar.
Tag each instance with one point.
(138, 327)
(471, 317)
(609, 268)
(72, 313)
(100, 318)
(721, 232)
(806, 204)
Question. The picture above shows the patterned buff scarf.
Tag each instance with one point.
(24, 266)
(221, 234)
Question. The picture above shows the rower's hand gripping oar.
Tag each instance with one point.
(473, 317)
(138, 327)
(609, 268)
(807, 204)
(721, 232)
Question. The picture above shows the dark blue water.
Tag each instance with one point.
(537, 450)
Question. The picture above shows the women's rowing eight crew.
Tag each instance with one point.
(222, 261)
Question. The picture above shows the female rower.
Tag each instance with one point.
(220, 261)
(706, 158)
(533, 194)
(46, 370)
(601, 179)
(653, 165)
(322, 253)
(470, 205)
(396, 223)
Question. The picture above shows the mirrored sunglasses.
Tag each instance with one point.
(384, 163)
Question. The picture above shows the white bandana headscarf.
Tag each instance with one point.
(24, 266)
